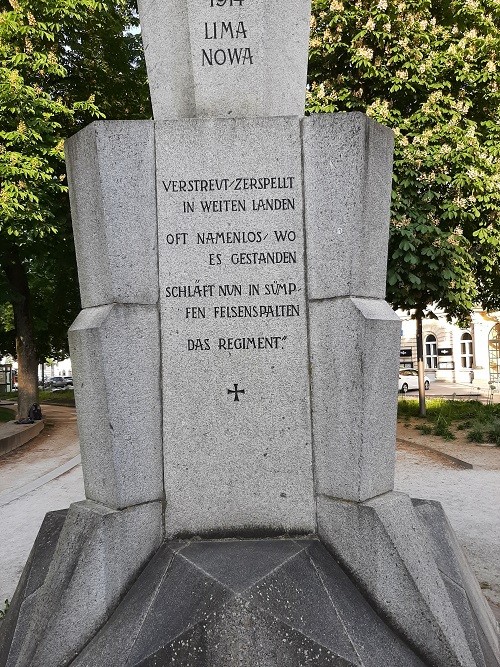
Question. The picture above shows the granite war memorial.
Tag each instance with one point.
(239, 487)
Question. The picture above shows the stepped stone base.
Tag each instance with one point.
(235, 602)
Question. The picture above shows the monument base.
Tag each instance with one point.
(267, 602)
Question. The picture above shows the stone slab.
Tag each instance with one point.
(118, 399)
(302, 610)
(347, 186)
(354, 347)
(98, 555)
(453, 565)
(111, 179)
(225, 57)
(232, 302)
(382, 543)
(33, 576)
(460, 603)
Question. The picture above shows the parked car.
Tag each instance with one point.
(408, 379)
(68, 380)
(57, 382)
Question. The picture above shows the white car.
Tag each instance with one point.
(408, 379)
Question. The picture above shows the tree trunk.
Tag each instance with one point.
(26, 353)
(420, 366)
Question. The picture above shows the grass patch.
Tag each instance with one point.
(482, 431)
(442, 429)
(482, 422)
(65, 397)
(451, 410)
(475, 435)
(6, 415)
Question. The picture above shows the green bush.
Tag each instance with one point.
(475, 435)
(425, 429)
(493, 432)
(442, 428)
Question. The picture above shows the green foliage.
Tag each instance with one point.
(494, 432)
(485, 430)
(481, 421)
(56, 397)
(442, 429)
(429, 71)
(32, 116)
(63, 63)
(452, 411)
(476, 435)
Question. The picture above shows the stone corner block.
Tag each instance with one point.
(458, 575)
(119, 403)
(347, 184)
(354, 347)
(111, 175)
(384, 546)
(98, 556)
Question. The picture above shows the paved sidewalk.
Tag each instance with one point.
(43, 475)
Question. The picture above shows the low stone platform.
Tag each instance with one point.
(14, 435)
(282, 602)
(226, 603)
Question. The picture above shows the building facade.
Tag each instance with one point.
(453, 353)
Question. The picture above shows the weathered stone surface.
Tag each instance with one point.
(33, 576)
(460, 579)
(347, 186)
(354, 365)
(119, 403)
(237, 59)
(233, 466)
(383, 545)
(284, 603)
(98, 555)
(113, 208)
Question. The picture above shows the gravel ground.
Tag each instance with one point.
(470, 497)
(471, 500)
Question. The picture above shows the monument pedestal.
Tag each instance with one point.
(265, 602)
(235, 373)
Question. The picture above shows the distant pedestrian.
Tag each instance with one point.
(471, 376)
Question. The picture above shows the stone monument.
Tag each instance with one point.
(235, 373)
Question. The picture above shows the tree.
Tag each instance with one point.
(429, 71)
(56, 57)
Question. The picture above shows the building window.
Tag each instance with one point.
(431, 357)
(466, 350)
(494, 353)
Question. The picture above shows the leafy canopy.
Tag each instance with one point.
(63, 63)
(430, 71)
(31, 141)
